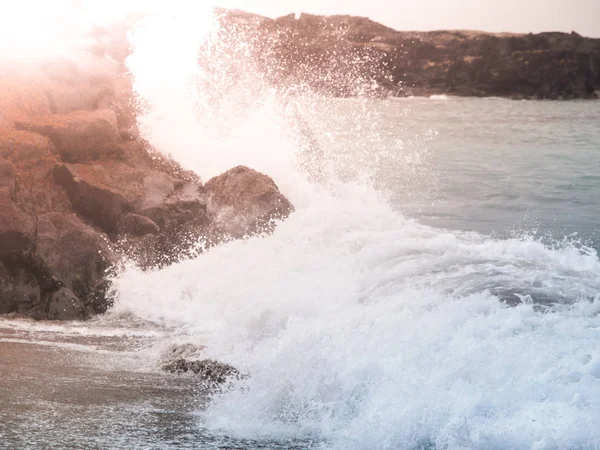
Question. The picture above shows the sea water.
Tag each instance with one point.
(436, 287)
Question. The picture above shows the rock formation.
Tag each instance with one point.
(79, 191)
(347, 56)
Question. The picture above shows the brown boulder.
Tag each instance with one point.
(157, 218)
(33, 158)
(243, 201)
(105, 191)
(90, 195)
(80, 135)
(19, 146)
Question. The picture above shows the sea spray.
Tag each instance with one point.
(361, 328)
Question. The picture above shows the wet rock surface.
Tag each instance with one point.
(243, 201)
(206, 370)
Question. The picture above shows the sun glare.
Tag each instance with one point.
(33, 30)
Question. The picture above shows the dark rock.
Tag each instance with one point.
(19, 290)
(243, 201)
(64, 305)
(79, 190)
(90, 193)
(17, 229)
(28, 287)
(78, 255)
(136, 225)
(78, 136)
(207, 370)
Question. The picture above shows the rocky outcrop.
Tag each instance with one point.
(63, 225)
(79, 191)
(208, 371)
(243, 202)
(348, 56)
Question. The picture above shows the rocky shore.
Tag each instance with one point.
(348, 56)
(79, 191)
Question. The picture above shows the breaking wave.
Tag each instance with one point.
(359, 327)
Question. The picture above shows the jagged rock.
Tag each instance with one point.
(64, 305)
(89, 194)
(243, 201)
(78, 136)
(79, 189)
(156, 217)
(207, 370)
(76, 254)
(104, 192)
(33, 157)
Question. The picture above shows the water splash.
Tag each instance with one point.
(359, 327)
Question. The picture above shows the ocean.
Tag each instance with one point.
(437, 286)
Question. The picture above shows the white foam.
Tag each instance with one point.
(439, 97)
(372, 331)
(358, 326)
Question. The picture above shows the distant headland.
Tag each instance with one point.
(328, 54)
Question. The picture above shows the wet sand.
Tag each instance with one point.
(58, 398)
(61, 390)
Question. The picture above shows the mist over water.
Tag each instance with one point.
(428, 291)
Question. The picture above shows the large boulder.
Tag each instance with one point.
(243, 201)
(79, 189)
(76, 254)
(94, 192)
(19, 146)
(78, 136)
(154, 217)
(28, 287)
(107, 191)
